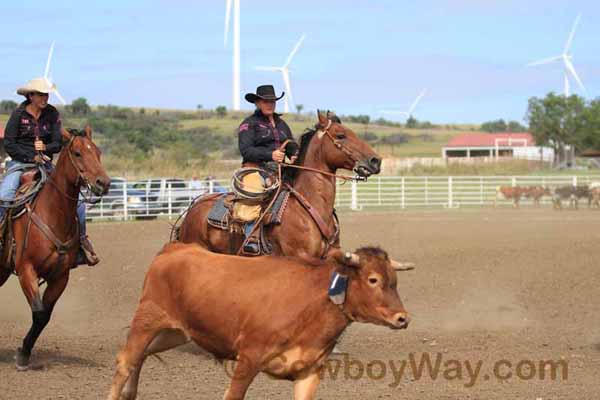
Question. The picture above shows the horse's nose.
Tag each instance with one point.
(103, 183)
(375, 164)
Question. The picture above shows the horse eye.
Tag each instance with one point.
(77, 153)
(341, 136)
(373, 281)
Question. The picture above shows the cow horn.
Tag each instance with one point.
(402, 266)
(352, 259)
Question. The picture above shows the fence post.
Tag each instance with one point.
(402, 196)
(481, 190)
(426, 191)
(574, 180)
(450, 193)
(354, 202)
(170, 200)
(379, 189)
(211, 186)
(125, 200)
(514, 181)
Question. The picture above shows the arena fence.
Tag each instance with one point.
(153, 198)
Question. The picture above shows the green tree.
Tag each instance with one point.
(7, 106)
(590, 136)
(199, 107)
(80, 106)
(221, 111)
(498, 125)
(557, 121)
(412, 122)
(299, 108)
(515, 126)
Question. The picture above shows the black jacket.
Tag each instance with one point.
(258, 139)
(22, 128)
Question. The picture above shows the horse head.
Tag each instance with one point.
(342, 148)
(84, 156)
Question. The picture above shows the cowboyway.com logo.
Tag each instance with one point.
(425, 366)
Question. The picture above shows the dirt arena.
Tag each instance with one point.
(492, 287)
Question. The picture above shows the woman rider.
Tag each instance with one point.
(260, 136)
(33, 135)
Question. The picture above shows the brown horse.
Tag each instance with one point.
(307, 234)
(47, 235)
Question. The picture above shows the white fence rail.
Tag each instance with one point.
(150, 198)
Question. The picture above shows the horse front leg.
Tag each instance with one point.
(41, 310)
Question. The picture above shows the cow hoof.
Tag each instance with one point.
(22, 360)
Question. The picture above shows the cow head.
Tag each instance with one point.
(371, 295)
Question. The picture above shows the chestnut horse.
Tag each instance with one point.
(47, 235)
(324, 150)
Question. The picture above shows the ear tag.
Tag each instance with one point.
(337, 288)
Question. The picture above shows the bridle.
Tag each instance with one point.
(324, 131)
(81, 178)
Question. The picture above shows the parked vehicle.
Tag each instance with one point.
(167, 194)
(112, 203)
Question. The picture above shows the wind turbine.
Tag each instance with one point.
(412, 108)
(47, 76)
(567, 58)
(235, 4)
(285, 72)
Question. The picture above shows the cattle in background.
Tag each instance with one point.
(536, 193)
(571, 193)
(595, 194)
(270, 314)
(513, 193)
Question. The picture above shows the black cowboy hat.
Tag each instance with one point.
(264, 92)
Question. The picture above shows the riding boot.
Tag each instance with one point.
(252, 243)
(87, 255)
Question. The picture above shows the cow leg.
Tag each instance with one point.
(306, 388)
(147, 323)
(243, 375)
(165, 340)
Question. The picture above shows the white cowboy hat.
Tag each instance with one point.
(40, 85)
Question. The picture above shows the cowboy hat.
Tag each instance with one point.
(264, 92)
(40, 85)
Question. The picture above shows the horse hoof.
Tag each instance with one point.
(22, 361)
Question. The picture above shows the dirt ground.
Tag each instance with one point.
(491, 287)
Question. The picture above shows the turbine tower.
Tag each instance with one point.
(235, 4)
(412, 108)
(285, 72)
(47, 77)
(567, 59)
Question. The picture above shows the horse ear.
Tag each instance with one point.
(66, 136)
(88, 131)
(322, 118)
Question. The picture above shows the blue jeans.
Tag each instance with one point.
(10, 185)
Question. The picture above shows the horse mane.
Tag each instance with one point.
(76, 132)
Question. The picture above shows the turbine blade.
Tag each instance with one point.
(571, 69)
(62, 100)
(294, 50)
(572, 34)
(416, 102)
(227, 20)
(288, 87)
(47, 70)
(545, 61)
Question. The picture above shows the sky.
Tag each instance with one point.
(359, 57)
